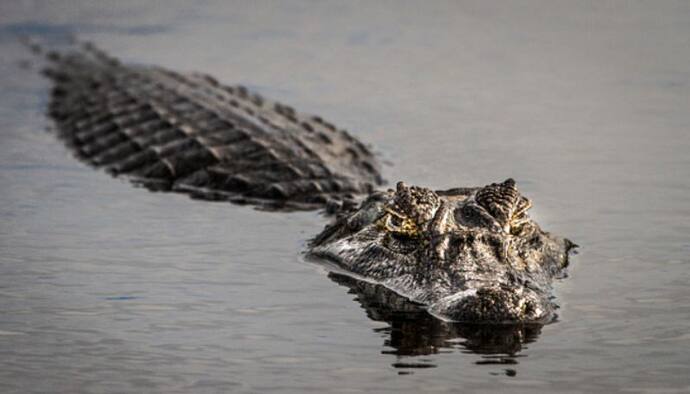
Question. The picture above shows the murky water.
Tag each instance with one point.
(105, 288)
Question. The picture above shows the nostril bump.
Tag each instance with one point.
(495, 305)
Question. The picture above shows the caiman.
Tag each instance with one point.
(464, 254)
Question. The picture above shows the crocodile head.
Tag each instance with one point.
(467, 254)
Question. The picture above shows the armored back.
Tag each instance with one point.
(190, 133)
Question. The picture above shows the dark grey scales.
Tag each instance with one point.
(465, 254)
(187, 132)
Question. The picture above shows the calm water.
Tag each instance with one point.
(105, 288)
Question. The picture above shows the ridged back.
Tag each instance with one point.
(188, 132)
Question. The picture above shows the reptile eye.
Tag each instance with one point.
(395, 221)
(398, 224)
(502, 207)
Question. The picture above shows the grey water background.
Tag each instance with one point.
(105, 288)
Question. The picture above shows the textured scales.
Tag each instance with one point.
(187, 132)
(465, 254)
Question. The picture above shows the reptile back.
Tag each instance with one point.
(190, 133)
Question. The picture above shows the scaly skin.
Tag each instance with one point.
(467, 254)
(189, 133)
(414, 332)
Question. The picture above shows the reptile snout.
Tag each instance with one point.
(499, 305)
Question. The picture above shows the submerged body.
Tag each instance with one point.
(467, 254)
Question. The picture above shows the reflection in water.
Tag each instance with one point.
(584, 102)
(414, 332)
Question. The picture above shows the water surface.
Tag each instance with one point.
(105, 288)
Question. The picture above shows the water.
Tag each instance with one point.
(105, 288)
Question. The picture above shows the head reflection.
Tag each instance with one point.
(414, 332)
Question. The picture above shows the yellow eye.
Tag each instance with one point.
(399, 224)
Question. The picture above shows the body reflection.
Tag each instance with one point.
(414, 332)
